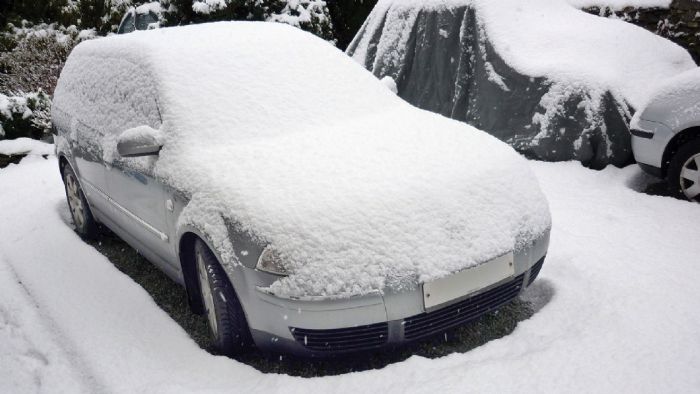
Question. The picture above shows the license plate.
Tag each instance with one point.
(465, 282)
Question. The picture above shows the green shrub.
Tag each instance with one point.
(25, 115)
(309, 15)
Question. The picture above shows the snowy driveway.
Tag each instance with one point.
(619, 296)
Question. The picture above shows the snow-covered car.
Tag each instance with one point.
(666, 134)
(302, 204)
(554, 82)
(144, 17)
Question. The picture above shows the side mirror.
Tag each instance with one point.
(139, 141)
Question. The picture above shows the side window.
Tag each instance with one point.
(128, 24)
(107, 95)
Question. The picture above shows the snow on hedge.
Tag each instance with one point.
(283, 134)
(22, 110)
(292, 12)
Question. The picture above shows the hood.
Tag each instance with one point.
(675, 103)
(385, 201)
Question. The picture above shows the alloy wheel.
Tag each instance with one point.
(75, 202)
(207, 294)
(690, 178)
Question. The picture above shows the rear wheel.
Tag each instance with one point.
(227, 321)
(684, 172)
(83, 220)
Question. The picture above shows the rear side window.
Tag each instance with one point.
(128, 24)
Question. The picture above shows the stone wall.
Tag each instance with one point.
(679, 23)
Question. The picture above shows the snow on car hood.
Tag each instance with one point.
(674, 102)
(356, 190)
(391, 199)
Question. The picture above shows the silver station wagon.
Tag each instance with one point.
(305, 207)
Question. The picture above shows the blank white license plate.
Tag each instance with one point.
(468, 281)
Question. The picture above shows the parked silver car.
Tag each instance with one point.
(304, 207)
(666, 135)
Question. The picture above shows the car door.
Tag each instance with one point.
(139, 200)
(88, 157)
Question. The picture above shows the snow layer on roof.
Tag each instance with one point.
(286, 136)
(620, 4)
(552, 39)
(154, 7)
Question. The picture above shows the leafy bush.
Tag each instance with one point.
(309, 15)
(33, 56)
(30, 63)
(25, 115)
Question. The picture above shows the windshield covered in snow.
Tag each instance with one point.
(246, 80)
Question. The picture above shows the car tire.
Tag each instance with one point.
(85, 224)
(684, 172)
(227, 321)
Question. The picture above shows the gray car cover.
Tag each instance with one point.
(464, 78)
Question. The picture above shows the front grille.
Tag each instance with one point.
(462, 312)
(343, 339)
(535, 270)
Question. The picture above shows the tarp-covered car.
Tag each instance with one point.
(301, 203)
(551, 80)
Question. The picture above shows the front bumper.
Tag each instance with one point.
(328, 327)
(649, 141)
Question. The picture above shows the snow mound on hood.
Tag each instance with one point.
(676, 99)
(295, 143)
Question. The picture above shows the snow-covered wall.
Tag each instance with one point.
(554, 82)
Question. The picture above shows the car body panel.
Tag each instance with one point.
(650, 151)
(673, 109)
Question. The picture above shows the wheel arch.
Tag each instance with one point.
(186, 243)
(62, 162)
(189, 269)
(678, 140)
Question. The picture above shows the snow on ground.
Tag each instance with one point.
(618, 313)
(23, 145)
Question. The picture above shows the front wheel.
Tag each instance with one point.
(684, 172)
(85, 224)
(224, 312)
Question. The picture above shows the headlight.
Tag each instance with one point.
(270, 262)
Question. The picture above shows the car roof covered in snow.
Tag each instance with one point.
(251, 75)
